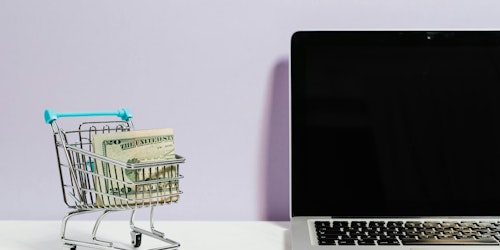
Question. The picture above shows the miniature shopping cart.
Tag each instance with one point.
(83, 180)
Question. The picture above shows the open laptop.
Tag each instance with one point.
(395, 140)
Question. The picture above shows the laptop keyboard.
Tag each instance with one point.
(407, 233)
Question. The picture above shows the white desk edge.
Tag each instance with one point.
(221, 235)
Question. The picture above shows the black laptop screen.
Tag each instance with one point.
(395, 123)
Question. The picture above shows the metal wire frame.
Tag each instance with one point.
(80, 183)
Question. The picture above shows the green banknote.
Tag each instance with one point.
(125, 186)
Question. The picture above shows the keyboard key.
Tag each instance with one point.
(359, 233)
(467, 224)
(328, 237)
(394, 224)
(376, 233)
(428, 231)
(448, 224)
(413, 234)
(466, 237)
(347, 242)
(366, 242)
(431, 224)
(330, 232)
(348, 238)
(406, 237)
(377, 224)
(368, 238)
(340, 224)
(398, 234)
(388, 242)
(449, 237)
(482, 237)
(322, 224)
(326, 242)
(449, 242)
(426, 237)
(358, 223)
(413, 224)
(486, 225)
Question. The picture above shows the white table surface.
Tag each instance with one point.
(241, 235)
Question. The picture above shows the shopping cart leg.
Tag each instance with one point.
(132, 216)
(153, 233)
(134, 234)
(67, 217)
(68, 243)
(96, 226)
(151, 223)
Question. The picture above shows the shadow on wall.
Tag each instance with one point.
(276, 148)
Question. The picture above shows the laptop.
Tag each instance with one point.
(395, 140)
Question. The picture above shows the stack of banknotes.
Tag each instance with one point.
(117, 185)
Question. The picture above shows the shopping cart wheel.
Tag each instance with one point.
(136, 238)
(69, 247)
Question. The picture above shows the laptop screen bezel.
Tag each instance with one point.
(302, 40)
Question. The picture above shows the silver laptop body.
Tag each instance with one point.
(395, 140)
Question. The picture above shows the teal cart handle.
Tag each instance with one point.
(52, 115)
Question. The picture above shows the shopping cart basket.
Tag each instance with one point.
(81, 179)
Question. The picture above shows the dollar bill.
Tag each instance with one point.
(117, 185)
